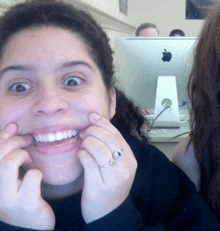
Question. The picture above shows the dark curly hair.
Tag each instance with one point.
(39, 13)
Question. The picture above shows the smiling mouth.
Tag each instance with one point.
(57, 138)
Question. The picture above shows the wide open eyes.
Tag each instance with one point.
(20, 87)
(73, 80)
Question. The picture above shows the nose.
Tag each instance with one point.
(50, 101)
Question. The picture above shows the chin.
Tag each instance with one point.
(62, 180)
(58, 174)
(62, 177)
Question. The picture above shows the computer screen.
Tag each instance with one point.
(140, 60)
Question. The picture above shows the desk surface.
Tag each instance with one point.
(168, 135)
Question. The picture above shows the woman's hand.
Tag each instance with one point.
(144, 112)
(105, 188)
(21, 203)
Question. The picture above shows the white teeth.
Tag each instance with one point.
(40, 138)
(51, 137)
(69, 133)
(65, 135)
(59, 136)
(36, 138)
(74, 132)
(45, 138)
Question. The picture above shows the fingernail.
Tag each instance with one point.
(11, 128)
(94, 116)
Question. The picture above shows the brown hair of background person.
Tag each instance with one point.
(204, 94)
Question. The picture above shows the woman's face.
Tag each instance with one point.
(49, 85)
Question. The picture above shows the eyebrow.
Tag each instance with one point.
(16, 68)
(31, 68)
(75, 63)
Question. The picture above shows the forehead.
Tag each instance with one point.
(147, 32)
(43, 42)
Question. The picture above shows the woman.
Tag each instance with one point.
(198, 154)
(64, 122)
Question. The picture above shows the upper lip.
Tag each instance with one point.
(55, 128)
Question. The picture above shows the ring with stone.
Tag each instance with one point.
(118, 153)
(111, 162)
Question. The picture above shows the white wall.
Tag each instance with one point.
(107, 14)
(166, 14)
(110, 7)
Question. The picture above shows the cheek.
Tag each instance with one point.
(92, 103)
(11, 112)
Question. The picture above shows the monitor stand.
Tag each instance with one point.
(166, 96)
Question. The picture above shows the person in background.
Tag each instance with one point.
(177, 33)
(198, 155)
(147, 30)
(75, 137)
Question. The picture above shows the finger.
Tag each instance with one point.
(8, 131)
(102, 155)
(30, 188)
(100, 152)
(14, 143)
(148, 112)
(114, 141)
(105, 132)
(91, 169)
(102, 135)
(9, 169)
(10, 142)
(103, 123)
(143, 112)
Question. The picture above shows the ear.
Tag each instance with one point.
(112, 100)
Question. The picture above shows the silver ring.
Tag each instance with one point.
(117, 154)
(111, 162)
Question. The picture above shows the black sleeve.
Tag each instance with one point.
(125, 217)
(7, 227)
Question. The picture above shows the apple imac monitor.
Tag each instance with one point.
(140, 60)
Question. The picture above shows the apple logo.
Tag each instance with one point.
(166, 56)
